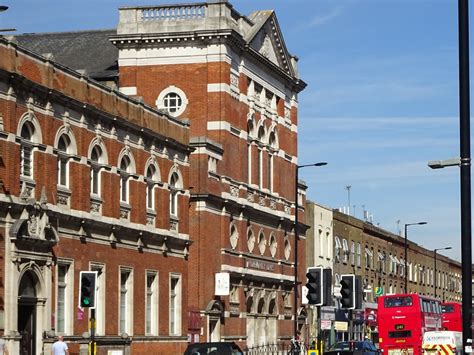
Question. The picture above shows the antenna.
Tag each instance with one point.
(348, 188)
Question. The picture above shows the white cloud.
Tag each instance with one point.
(325, 18)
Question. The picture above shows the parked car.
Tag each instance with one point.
(353, 347)
(220, 348)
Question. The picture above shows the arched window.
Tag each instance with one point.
(64, 143)
(96, 159)
(261, 135)
(26, 150)
(125, 164)
(174, 194)
(151, 179)
(273, 146)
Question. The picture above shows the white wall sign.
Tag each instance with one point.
(222, 284)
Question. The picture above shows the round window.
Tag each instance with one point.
(172, 100)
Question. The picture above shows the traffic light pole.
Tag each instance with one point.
(92, 331)
(318, 311)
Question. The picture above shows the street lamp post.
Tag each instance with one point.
(406, 251)
(464, 162)
(435, 276)
(295, 286)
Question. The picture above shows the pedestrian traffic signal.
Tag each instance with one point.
(88, 280)
(351, 292)
(315, 286)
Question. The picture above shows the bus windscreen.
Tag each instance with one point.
(402, 301)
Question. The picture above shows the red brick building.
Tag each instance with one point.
(233, 78)
(87, 175)
(162, 203)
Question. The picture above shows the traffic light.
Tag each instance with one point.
(319, 286)
(351, 292)
(88, 280)
(315, 286)
(348, 291)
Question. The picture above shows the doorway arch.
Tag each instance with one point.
(27, 315)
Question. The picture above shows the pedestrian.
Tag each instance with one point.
(3, 346)
(59, 347)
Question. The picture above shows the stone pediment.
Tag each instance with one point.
(34, 227)
(266, 39)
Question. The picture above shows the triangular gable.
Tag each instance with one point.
(265, 37)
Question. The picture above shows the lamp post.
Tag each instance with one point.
(295, 286)
(435, 276)
(464, 162)
(406, 251)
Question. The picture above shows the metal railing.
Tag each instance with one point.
(277, 349)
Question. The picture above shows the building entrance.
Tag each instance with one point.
(27, 314)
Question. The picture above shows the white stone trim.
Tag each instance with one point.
(204, 150)
(263, 274)
(218, 87)
(128, 90)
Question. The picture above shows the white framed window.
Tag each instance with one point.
(126, 301)
(172, 100)
(368, 258)
(26, 149)
(329, 245)
(402, 267)
(345, 250)
(212, 165)
(96, 159)
(175, 304)
(270, 172)
(358, 256)
(99, 297)
(381, 258)
(151, 303)
(64, 297)
(260, 168)
(151, 180)
(174, 186)
(64, 143)
(352, 253)
(125, 164)
(262, 243)
(321, 242)
(337, 249)
(249, 163)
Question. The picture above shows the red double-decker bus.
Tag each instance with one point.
(452, 319)
(402, 321)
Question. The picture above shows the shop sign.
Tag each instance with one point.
(325, 324)
(340, 326)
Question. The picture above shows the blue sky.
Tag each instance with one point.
(381, 101)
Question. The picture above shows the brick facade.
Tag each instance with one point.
(48, 228)
(240, 86)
